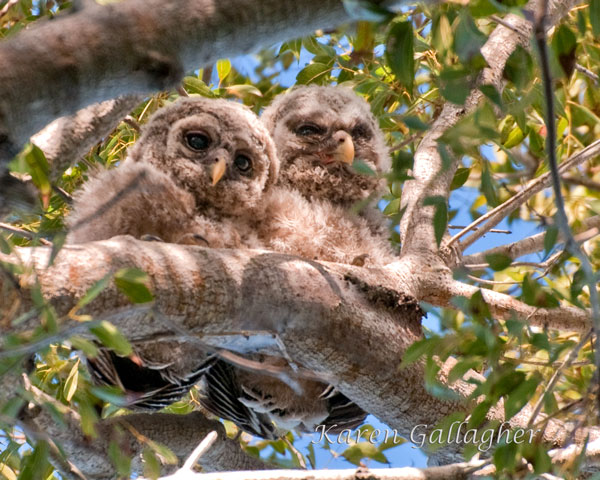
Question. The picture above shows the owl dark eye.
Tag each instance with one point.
(243, 164)
(360, 131)
(197, 140)
(308, 129)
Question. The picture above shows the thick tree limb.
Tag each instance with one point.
(133, 47)
(349, 324)
(67, 139)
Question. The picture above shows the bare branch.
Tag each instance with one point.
(67, 139)
(532, 244)
(588, 73)
(496, 215)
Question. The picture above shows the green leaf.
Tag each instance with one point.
(415, 123)
(491, 93)
(550, 238)
(37, 167)
(110, 337)
(195, 85)
(515, 137)
(361, 167)
(242, 90)
(133, 282)
(498, 261)
(516, 400)
(151, 464)
(70, 386)
(358, 451)
(416, 351)
(454, 84)
(112, 395)
(460, 178)
(223, 68)
(564, 44)
(400, 53)
(468, 41)
(35, 464)
(519, 68)
(479, 413)
(392, 207)
(462, 367)
(595, 17)
(120, 460)
(488, 187)
(313, 73)
(440, 217)
(95, 290)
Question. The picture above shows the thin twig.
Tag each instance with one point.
(497, 214)
(200, 450)
(532, 244)
(493, 230)
(561, 216)
(133, 123)
(23, 233)
(586, 182)
(588, 73)
(66, 196)
(7, 6)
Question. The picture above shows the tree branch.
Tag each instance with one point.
(67, 139)
(532, 244)
(496, 215)
(180, 433)
(347, 323)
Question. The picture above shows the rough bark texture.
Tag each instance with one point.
(67, 139)
(349, 324)
(179, 433)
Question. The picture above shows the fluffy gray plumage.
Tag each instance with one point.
(308, 124)
(165, 187)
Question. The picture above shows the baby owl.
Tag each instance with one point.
(199, 167)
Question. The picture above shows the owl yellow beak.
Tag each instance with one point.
(344, 152)
(218, 170)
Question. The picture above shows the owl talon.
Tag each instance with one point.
(193, 239)
(151, 238)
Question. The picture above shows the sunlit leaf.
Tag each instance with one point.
(400, 53)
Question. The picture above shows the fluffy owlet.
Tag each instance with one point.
(196, 173)
(319, 131)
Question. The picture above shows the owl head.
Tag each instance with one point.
(218, 150)
(319, 132)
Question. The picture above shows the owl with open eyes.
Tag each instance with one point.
(197, 172)
(195, 176)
